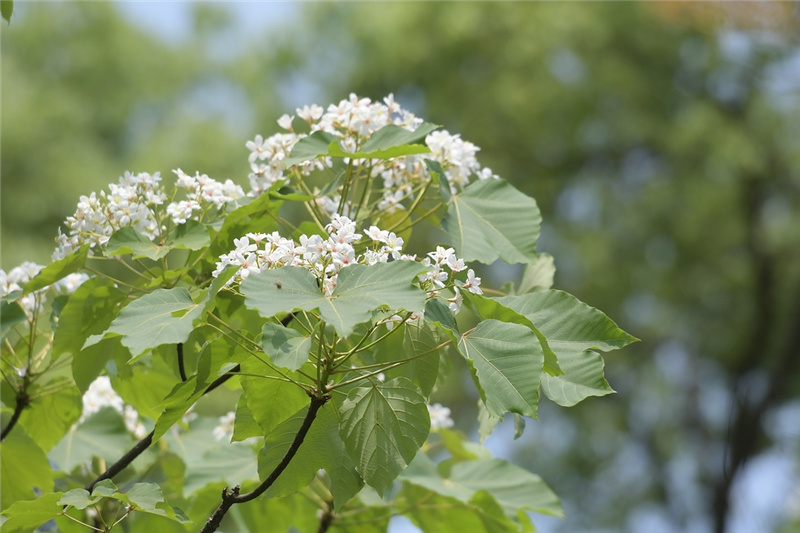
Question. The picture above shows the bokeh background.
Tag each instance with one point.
(661, 140)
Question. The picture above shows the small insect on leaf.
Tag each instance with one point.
(278, 284)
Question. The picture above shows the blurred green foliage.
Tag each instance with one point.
(660, 144)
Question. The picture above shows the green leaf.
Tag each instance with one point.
(491, 308)
(538, 275)
(420, 339)
(7, 9)
(286, 347)
(506, 362)
(440, 178)
(48, 417)
(244, 425)
(383, 425)
(438, 313)
(492, 220)
(91, 361)
(11, 314)
(391, 136)
(514, 488)
(162, 317)
(287, 193)
(310, 147)
(574, 331)
(360, 290)
(89, 311)
(446, 513)
(148, 498)
(26, 516)
(321, 448)
(78, 498)
(103, 435)
(128, 241)
(23, 468)
(262, 394)
(192, 235)
(104, 488)
(58, 270)
(146, 387)
(257, 216)
(486, 422)
(182, 397)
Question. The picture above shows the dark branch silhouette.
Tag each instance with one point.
(232, 497)
(23, 400)
(181, 367)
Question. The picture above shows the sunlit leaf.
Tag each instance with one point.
(286, 347)
(26, 516)
(58, 270)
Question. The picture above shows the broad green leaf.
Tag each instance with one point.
(91, 361)
(440, 178)
(292, 513)
(491, 308)
(360, 290)
(287, 193)
(506, 363)
(89, 311)
(26, 516)
(335, 150)
(244, 425)
(217, 356)
(420, 340)
(229, 465)
(514, 488)
(391, 136)
(182, 397)
(7, 9)
(438, 313)
(321, 448)
(162, 317)
(78, 498)
(492, 220)
(262, 394)
(23, 468)
(11, 314)
(192, 235)
(519, 426)
(103, 435)
(128, 241)
(440, 512)
(310, 147)
(58, 270)
(104, 488)
(148, 498)
(286, 347)
(383, 425)
(459, 447)
(575, 332)
(538, 275)
(146, 387)
(48, 417)
(486, 422)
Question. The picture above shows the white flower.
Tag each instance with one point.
(69, 284)
(182, 211)
(285, 122)
(100, 394)
(473, 283)
(225, 427)
(440, 416)
(377, 234)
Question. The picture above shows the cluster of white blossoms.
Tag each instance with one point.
(101, 394)
(353, 121)
(326, 257)
(134, 202)
(17, 277)
(440, 416)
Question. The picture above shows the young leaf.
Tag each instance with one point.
(573, 331)
(286, 347)
(103, 435)
(7, 9)
(48, 418)
(24, 469)
(58, 270)
(128, 241)
(538, 275)
(491, 219)
(309, 147)
(506, 362)
(440, 178)
(360, 289)
(263, 394)
(162, 317)
(78, 498)
(191, 235)
(420, 339)
(391, 136)
(383, 425)
(26, 516)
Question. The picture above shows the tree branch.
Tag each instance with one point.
(23, 400)
(181, 367)
(232, 497)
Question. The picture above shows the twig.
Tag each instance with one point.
(181, 367)
(22, 402)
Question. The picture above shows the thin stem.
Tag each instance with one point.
(357, 347)
(129, 267)
(421, 218)
(346, 186)
(232, 497)
(115, 280)
(82, 523)
(413, 207)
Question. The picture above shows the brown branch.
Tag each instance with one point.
(232, 497)
(23, 400)
(181, 367)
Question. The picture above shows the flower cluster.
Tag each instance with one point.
(100, 394)
(17, 277)
(134, 202)
(326, 257)
(353, 121)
